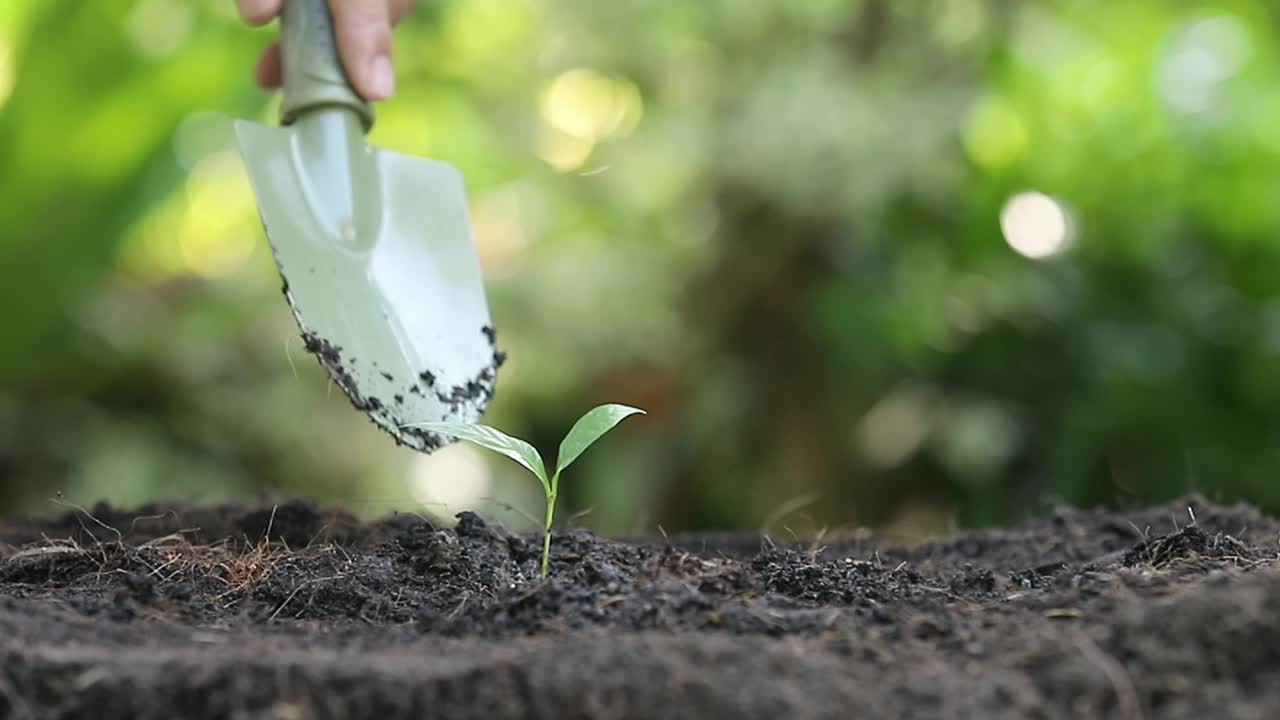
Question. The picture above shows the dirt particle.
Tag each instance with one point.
(478, 390)
(329, 354)
(1188, 542)
(428, 441)
(470, 525)
(974, 580)
(141, 586)
(499, 357)
(1039, 576)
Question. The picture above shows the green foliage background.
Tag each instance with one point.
(774, 225)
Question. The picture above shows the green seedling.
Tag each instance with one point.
(584, 433)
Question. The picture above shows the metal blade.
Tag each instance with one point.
(379, 266)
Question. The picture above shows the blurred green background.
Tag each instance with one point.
(906, 264)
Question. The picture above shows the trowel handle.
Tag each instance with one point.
(313, 73)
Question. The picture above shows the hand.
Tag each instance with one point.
(363, 30)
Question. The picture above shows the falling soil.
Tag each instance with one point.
(298, 612)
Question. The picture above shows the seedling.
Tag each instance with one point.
(589, 428)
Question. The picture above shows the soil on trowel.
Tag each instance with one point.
(294, 611)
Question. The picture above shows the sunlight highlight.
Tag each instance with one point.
(149, 250)
(200, 134)
(216, 236)
(1035, 225)
(895, 427)
(8, 72)
(1202, 57)
(157, 28)
(959, 21)
(452, 479)
(581, 108)
(501, 234)
(565, 153)
(996, 135)
(592, 106)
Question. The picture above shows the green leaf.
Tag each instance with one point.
(590, 428)
(495, 440)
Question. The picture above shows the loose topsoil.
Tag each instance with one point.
(293, 612)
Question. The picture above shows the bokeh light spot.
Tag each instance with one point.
(157, 28)
(200, 134)
(592, 106)
(216, 237)
(1035, 225)
(895, 427)
(563, 152)
(996, 136)
(7, 71)
(451, 479)
(959, 21)
(1201, 57)
(501, 234)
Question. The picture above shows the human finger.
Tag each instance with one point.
(363, 30)
(269, 71)
(258, 12)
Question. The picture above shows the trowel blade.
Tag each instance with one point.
(381, 272)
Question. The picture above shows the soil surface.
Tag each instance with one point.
(293, 611)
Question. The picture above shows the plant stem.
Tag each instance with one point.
(551, 514)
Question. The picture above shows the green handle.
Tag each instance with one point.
(313, 73)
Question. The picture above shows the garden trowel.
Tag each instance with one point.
(374, 247)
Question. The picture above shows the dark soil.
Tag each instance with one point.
(294, 612)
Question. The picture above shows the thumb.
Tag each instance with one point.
(363, 30)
